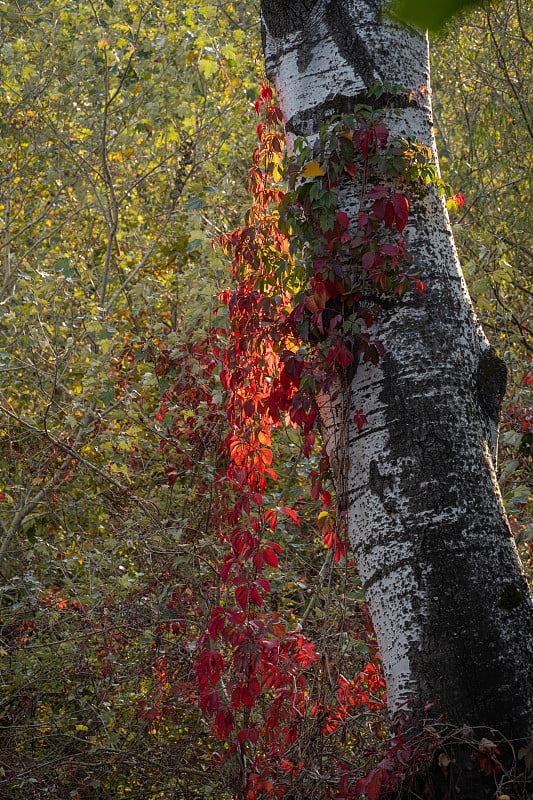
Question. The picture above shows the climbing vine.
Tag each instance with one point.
(309, 281)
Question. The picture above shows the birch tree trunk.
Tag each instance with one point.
(448, 598)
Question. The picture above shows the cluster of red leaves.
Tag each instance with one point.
(366, 689)
(251, 671)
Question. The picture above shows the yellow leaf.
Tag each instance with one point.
(102, 43)
(312, 170)
(452, 206)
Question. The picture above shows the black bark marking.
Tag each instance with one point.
(385, 570)
(305, 122)
(379, 484)
(511, 597)
(282, 18)
(491, 383)
(351, 46)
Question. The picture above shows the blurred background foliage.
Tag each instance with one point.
(126, 133)
(483, 102)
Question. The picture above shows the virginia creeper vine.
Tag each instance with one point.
(309, 284)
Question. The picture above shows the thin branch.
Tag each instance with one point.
(143, 261)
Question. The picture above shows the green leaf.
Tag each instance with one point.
(430, 16)
(194, 202)
(207, 67)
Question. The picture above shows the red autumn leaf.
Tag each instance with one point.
(258, 560)
(242, 736)
(209, 703)
(370, 259)
(268, 516)
(226, 567)
(389, 216)
(401, 288)
(366, 315)
(379, 208)
(266, 92)
(335, 322)
(257, 106)
(241, 596)
(360, 419)
(271, 558)
(268, 681)
(224, 722)
(329, 539)
(292, 735)
(266, 456)
(382, 133)
(308, 443)
(264, 584)
(255, 597)
(363, 220)
(351, 169)
(459, 199)
(216, 623)
(172, 475)
(389, 250)
(342, 219)
(340, 550)
(273, 521)
(371, 785)
(290, 513)
(378, 192)
(344, 357)
(400, 205)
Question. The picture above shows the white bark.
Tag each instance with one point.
(448, 599)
